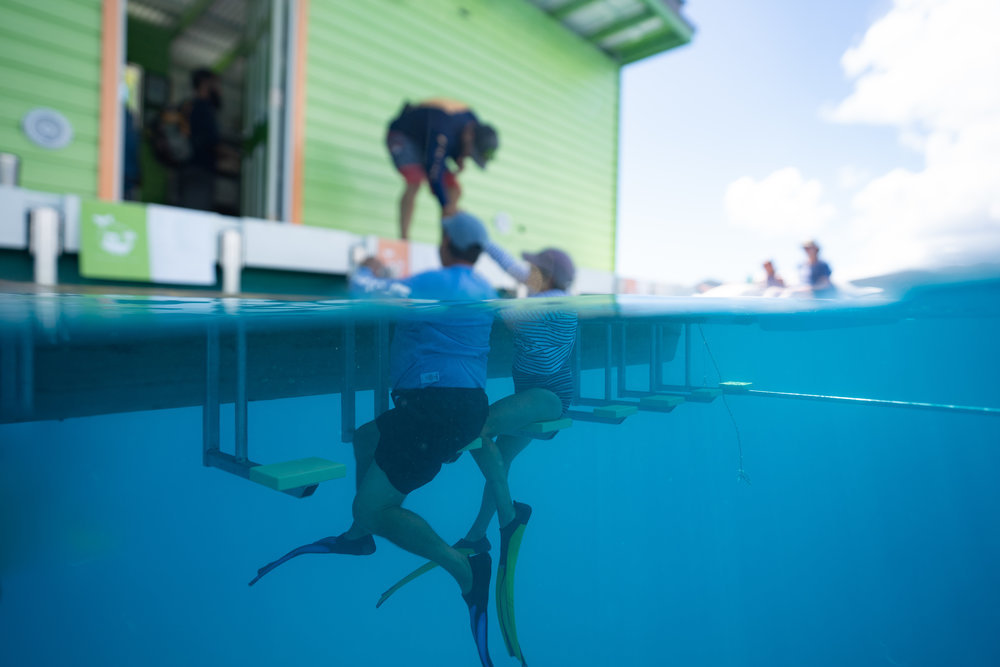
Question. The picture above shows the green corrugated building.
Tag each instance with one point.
(309, 87)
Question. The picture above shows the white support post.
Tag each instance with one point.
(45, 244)
(231, 260)
(10, 169)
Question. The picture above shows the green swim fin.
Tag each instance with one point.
(465, 547)
(510, 545)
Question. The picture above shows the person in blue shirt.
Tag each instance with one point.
(438, 376)
(815, 273)
(421, 140)
(544, 383)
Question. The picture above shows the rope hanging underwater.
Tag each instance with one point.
(741, 473)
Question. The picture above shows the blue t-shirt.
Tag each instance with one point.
(816, 273)
(446, 349)
(439, 135)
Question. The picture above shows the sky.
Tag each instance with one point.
(872, 126)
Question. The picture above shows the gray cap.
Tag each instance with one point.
(465, 230)
(554, 265)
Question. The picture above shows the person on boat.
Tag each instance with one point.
(438, 375)
(815, 273)
(771, 277)
(422, 138)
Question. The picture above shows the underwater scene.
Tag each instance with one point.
(741, 482)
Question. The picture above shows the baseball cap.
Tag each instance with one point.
(810, 244)
(484, 144)
(465, 230)
(554, 265)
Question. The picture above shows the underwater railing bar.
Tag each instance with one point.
(585, 416)
(240, 407)
(687, 354)
(17, 372)
(654, 355)
(915, 405)
(210, 409)
(622, 360)
(347, 399)
(578, 363)
(608, 355)
(381, 397)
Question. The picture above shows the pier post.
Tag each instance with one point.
(44, 244)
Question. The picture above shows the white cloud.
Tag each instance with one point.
(851, 177)
(781, 203)
(933, 63)
(930, 68)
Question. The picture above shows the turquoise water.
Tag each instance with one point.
(866, 536)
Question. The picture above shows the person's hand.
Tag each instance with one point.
(375, 265)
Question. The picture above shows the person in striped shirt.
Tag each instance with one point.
(542, 371)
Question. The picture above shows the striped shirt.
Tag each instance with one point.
(543, 338)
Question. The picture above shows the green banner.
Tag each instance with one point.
(114, 241)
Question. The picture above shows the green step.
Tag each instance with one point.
(615, 411)
(660, 402)
(735, 387)
(704, 395)
(293, 474)
(475, 444)
(539, 428)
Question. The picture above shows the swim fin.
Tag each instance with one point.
(478, 601)
(510, 545)
(363, 546)
(464, 546)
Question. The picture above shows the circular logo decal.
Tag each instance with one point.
(47, 128)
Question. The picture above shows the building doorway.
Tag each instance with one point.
(208, 121)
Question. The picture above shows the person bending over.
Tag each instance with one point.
(421, 140)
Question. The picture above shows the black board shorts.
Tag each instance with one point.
(426, 429)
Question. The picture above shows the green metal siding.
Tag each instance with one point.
(552, 97)
(51, 57)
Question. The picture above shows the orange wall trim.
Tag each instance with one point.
(299, 114)
(111, 39)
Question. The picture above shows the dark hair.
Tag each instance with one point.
(201, 75)
(470, 254)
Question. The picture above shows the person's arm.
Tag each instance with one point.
(436, 152)
(507, 262)
(365, 283)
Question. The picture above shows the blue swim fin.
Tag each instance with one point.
(362, 546)
(478, 601)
